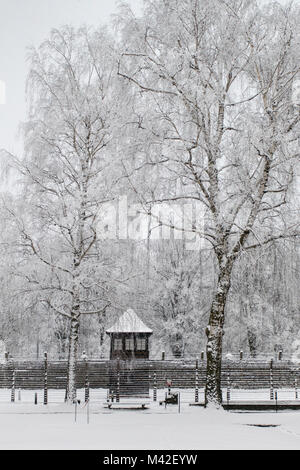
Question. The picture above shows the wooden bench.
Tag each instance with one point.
(127, 405)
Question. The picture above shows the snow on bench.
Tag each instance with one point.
(127, 405)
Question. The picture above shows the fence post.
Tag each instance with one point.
(35, 398)
(154, 388)
(45, 379)
(296, 389)
(271, 381)
(86, 383)
(169, 385)
(118, 388)
(279, 355)
(163, 355)
(86, 390)
(202, 355)
(241, 355)
(13, 386)
(67, 384)
(228, 388)
(6, 355)
(196, 383)
(88, 412)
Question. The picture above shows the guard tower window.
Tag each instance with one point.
(118, 346)
(141, 344)
(129, 344)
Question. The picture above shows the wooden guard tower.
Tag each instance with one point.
(129, 338)
(129, 354)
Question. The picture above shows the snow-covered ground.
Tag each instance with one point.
(24, 425)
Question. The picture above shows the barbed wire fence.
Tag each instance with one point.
(44, 381)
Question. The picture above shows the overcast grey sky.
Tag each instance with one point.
(27, 22)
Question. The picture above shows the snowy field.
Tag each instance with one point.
(24, 425)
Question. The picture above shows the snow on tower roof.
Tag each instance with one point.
(129, 322)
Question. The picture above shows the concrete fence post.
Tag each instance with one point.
(86, 382)
(271, 381)
(118, 388)
(45, 378)
(197, 382)
(154, 388)
(13, 386)
(228, 392)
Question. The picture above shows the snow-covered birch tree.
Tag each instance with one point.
(67, 175)
(214, 106)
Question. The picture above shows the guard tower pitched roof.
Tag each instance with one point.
(129, 322)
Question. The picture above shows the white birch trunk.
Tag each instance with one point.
(214, 332)
(72, 361)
